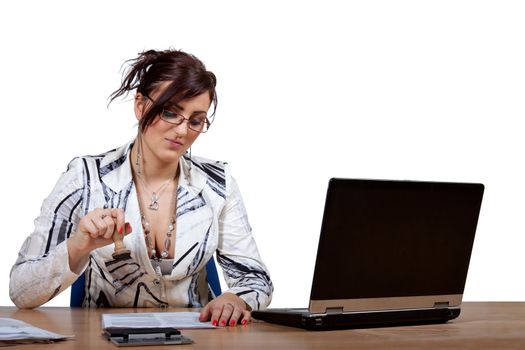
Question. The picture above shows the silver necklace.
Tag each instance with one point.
(146, 226)
(154, 205)
(155, 195)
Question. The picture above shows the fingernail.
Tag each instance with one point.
(232, 323)
(223, 323)
(214, 323)
(120, 230)
(244, 322)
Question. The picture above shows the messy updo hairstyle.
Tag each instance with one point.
(188, 76)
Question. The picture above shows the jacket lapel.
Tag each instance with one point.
(194, 213)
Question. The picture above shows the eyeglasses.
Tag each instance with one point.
(198, 122)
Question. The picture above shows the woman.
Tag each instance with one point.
(174, 210)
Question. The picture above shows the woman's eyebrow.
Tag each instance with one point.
(182, 109)
(173, 104)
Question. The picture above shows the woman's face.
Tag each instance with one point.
(165, 141)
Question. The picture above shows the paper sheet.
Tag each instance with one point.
(14, 332)
(179, 320)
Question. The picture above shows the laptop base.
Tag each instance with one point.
(320, 322)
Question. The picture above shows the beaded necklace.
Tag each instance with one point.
(146, 226)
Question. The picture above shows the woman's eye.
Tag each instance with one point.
(168, 114)
(196, 121)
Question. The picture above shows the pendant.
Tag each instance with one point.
(154, 205)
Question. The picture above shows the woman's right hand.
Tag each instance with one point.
(94, 230)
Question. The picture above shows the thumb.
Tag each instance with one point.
(205, 313)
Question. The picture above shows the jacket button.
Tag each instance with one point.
(156, 281)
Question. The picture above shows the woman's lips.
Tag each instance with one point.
(174, 143)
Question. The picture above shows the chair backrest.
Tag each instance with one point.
(78, 287)
(213, 278)
(78, 292)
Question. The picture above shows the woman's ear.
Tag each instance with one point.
(139, 106)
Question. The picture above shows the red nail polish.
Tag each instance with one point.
(120, 230)
(232, 323)
(214, 322)
(244, 322)
(223, 323)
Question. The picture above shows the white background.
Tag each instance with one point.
(423, 90)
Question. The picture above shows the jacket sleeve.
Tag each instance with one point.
(41, 270)
(237, 253)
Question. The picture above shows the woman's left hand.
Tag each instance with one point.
(227, 309)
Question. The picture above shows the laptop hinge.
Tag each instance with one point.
(441, 304)
(334, 310)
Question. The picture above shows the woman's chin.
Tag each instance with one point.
(171, 156)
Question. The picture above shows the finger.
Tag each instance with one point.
(215, 314)
(109, 227)
(227, 311)
(112, 226)
(100, 223)
(118, 215)
(234, 319)
(205, 313)
(128, 228)
(246, 317)
(89, 227)
(99, 212)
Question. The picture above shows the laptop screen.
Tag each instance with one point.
(387, 239)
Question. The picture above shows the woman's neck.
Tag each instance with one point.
(151, 169)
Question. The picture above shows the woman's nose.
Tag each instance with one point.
(182, 128)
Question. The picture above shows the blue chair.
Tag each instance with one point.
(78, 292)
(213, 278)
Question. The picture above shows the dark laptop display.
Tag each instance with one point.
(390, 252)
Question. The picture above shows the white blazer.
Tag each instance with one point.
(211, 218)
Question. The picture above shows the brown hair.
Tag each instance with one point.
(188, 76)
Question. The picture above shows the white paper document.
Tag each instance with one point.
(18, 332)
(179, 320)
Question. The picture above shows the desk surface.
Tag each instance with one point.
(485, 325)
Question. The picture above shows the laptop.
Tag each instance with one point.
(390, 253)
